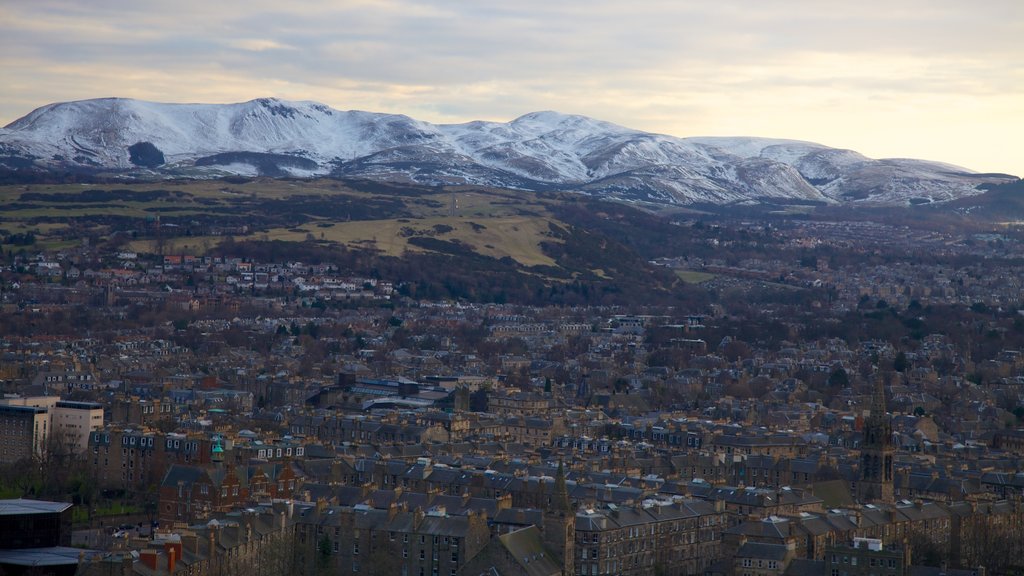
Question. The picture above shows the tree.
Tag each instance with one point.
(277, 555)
(839, 378)
(899, 363)
(323, 556)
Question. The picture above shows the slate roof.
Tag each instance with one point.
(526, 547)
(762, 551)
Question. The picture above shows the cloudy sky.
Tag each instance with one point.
(934, 79)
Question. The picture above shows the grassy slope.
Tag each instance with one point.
(494, 223)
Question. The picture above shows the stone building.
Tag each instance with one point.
(877, 452)
(670, 537)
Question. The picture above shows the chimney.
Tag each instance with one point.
(172, 559)
(149, 558)
(418, 516)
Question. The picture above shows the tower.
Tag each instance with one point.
(876, 451)
(217, 455)
(560, 525)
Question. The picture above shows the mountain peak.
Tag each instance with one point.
(539, 150)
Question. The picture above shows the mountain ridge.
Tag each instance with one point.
(542, 150)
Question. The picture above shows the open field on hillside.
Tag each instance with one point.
(193, 217)
(694, 277)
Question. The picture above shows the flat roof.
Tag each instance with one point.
(52, 556)
(79, 405)
(25, 506)
(22, 409)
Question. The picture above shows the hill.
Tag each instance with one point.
(540, 151)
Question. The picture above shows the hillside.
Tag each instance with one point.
(541, 151)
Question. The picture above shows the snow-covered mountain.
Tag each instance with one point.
(541, 150)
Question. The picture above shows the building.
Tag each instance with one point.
(23, 432)
(64, 426)
(362, 539)
(866, 556)
(35, 538)
(133, 459)
(762, 559)
(672, 537)
(71, 423)
(875, 482)
(193, 493)
(516, 553)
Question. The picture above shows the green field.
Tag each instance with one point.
(495, 223)
(694, 277)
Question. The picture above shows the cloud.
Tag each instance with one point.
(258, 45)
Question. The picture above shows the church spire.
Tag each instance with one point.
(878, 398)
(877, 452)
(560, 499)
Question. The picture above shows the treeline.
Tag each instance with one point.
(100, 195)
(452, 270)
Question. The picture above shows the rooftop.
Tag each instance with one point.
(23, 506)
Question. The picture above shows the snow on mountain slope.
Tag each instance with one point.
(541, 150)
(103, 129)
(846, 176)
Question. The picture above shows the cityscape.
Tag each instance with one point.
(817, 397)
(434, 288)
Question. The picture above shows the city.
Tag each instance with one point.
(824, 397)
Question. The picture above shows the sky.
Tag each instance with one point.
(933, 79)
